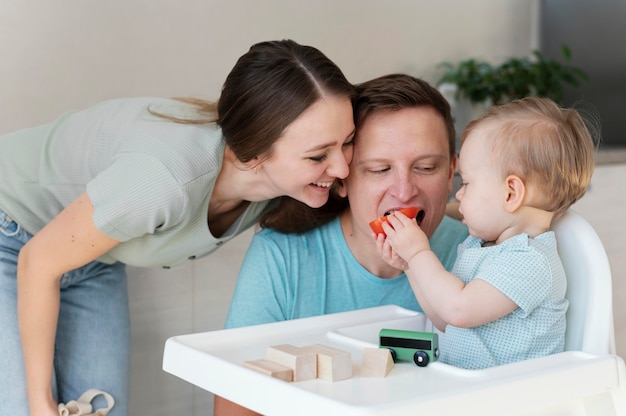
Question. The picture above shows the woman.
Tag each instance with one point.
(149, 182)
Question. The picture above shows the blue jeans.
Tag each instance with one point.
(92, 347)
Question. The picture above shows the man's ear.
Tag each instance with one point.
(516, 192)
(340, 188)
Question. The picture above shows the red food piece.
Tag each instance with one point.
(377, 224)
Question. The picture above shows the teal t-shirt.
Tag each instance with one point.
(288, 276)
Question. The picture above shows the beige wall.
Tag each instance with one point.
(63, 54)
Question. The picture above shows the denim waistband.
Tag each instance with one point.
(8, 226)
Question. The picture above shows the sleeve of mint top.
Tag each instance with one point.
(261, 291)
(134, 196)
(523, 274)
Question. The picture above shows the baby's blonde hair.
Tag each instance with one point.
(547, 146)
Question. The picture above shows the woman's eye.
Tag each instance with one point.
(349, 143)
(318, 158)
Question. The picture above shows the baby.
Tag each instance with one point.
(522, 164)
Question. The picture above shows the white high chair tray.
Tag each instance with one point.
(565, 383)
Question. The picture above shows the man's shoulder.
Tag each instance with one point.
(268, 234)
(451, 230)
(452, 226)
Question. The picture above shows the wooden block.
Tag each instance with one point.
(301, 361)
(271, 368)
(332, 364)
(377, 362)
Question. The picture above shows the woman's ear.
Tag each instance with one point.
(254, 165)
(516, 192)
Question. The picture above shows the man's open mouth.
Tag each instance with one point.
(419, 218)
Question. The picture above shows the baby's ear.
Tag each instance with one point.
(516, 192)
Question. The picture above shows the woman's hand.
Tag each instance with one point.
(43, 407)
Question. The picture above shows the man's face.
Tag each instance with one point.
(401, 159)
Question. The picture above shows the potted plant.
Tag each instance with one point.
(480, 82)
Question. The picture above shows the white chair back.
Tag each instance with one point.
(589, 289)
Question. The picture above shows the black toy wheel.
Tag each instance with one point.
(420, 358)
(393, 354)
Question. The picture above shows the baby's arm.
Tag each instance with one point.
(426, 307)
(443, 296)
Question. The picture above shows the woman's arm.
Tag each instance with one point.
(69, 241)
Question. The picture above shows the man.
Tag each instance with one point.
(403, 157)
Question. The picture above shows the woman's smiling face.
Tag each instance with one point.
(313, 151)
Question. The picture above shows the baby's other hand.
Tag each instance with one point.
(388, 254)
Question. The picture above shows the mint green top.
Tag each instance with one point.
(149, 179)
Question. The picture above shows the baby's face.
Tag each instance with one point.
(483, 189)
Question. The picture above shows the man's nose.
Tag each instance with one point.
(404, 188)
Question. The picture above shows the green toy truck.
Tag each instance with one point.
(420, 347)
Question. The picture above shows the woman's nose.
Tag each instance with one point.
(338, 165)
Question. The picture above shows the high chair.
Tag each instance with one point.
(589, 290)
(587, 379)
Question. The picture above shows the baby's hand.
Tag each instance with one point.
(405, 236)
(386, 252)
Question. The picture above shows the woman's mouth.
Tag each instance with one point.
(323, 184)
